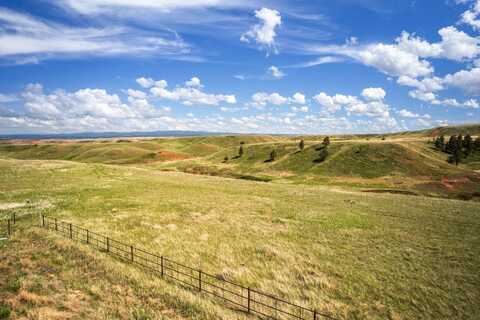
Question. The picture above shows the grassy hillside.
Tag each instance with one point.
(351, 254)
(400, 162)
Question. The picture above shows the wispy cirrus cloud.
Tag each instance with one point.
(27, 39)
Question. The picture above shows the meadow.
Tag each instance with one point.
(311, 234)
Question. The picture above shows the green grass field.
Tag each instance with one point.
(333, 235)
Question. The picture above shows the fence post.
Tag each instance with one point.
(9, 231)
(14, 218)
(314, 314)
(200, 280)
(88, 237)
(161, 265)
(43, 220)
(56, 225)
(108, 245)
(248, 300)
(131, 252)
(71, 231)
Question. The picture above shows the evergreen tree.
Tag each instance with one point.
(326, 141)
(468, 144)
(454, 147)
(442, 143)
(240, 151)
(323, 154)
(451, 145)
(438, 144)
(301, 145)
(460, 141)
(273, 155)
(476, 144)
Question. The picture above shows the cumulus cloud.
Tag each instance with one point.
(145, 82)
(191, 94)
(472, 16)
(372, 106)
(455, 45)
(262, 99)
(298, 98)
(374, 94)
(467, 80)
(193, 82)
(264, 32)
(275, 72)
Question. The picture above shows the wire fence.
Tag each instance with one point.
(240, 297)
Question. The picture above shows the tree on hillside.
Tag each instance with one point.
(440, 143)
(273, 155)
(326, 141)
(451, 145)
(301, 145)
(240, 150)
(476, 144)
(468, 144)
(454, 148)
(323, 155)
(225, 159)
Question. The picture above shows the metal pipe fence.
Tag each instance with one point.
(240, 297)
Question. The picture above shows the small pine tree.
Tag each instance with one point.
(442, 142)
(476, 144)
(273, 155)
(326, 141)
(468, 144)
(451, 145)
(323, 155)
(301, 145)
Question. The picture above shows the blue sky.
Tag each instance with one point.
(249, 66)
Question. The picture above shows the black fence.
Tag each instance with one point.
(241, 298)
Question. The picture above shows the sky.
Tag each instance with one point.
(244, 66)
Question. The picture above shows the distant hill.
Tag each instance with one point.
(472, 129)
(104, 135)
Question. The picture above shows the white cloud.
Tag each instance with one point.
(190, 95)
(276, 72)
(136, 94)
(106, 6)
(472, 16)
(300, 109)
(317, 62)
(193, 82)
(298, 98)
(4, 98)
(455, 45)
(373, 106)
(374, 94)
(264, 33)
(391, 60)
(28, 39)
(408, 114)
(145, 82)
(467, 80)
(261, 99)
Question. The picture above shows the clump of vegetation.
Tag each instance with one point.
(240, 149)
(457, 147)
(225, 159)
(4, 312)
(273, 156)
(301, 145)
(323, 150)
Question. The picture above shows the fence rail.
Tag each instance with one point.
(243, 298)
